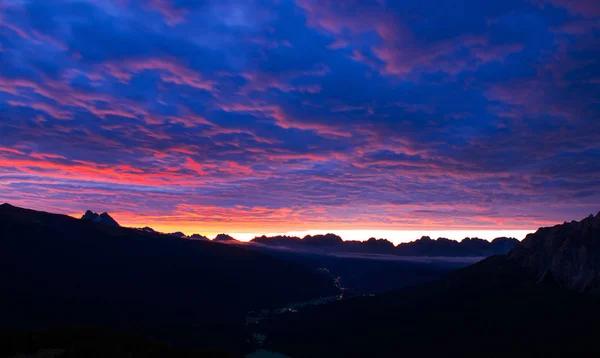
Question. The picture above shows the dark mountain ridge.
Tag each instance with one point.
(331, 243)
(425, 246)
(223, 238)
(568, 254)
(103, 218)
(63, 272)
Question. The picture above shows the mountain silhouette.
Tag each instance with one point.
(63, 272)
(568, 254)
(147, 229)
(199, 237)
(539, 299)
(223, 238)
(280, 240)
(425, 246)
(178, 234)
(103, 218)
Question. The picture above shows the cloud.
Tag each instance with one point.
(302, 114)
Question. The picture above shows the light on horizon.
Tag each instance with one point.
(395, 236)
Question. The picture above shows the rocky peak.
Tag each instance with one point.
(103, 218)
(224, 237)
(89, 215)
(569, 254)
(199, 237)
(596, 221)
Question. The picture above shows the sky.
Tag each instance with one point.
(274, 116)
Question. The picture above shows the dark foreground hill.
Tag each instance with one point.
(539, 299)
(58, 272)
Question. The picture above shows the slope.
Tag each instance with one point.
(60, 272)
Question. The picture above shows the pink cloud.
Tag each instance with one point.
(399, 50)
(170, 71)
(261, 81)
(173, 15)
(337, 44)
(44, 107)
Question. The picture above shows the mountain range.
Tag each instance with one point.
(424, 246)
(331, 243)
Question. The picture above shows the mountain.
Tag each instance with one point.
(223, 238)
(58, 272)
(568, 254)
(377, 244)
(538, 300)
(308, 241)
(147, 229)
(502, 245)
(103, 218)
(326, 240)
(425, 246)
(286, 241)
(178, 234)
(199, 237)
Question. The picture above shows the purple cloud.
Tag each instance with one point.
(291, 115)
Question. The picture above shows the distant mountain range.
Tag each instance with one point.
(424, 246)
(331, 243)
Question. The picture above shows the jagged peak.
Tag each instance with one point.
(223, 237)
(570, 252)
(103, 218)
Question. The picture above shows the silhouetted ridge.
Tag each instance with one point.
(64, 272)
(199, 237)
(147, 229)
(425, 246)
(379, 243)
(323, 240)
(178, 234)
(288, 241)
(224, 238)
(103, 218)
